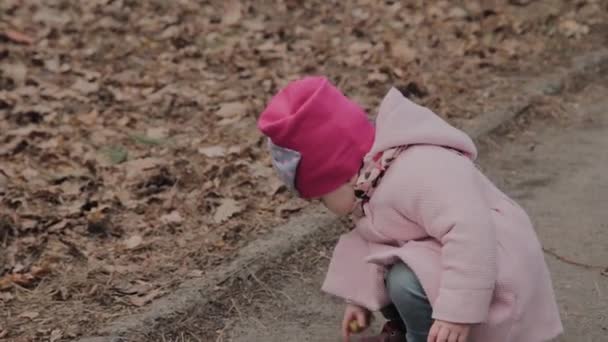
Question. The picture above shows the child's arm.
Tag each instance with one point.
(441, 191)
(351, 277)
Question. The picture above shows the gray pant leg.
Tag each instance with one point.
(411, 301)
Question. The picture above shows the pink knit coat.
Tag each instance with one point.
(473, 249)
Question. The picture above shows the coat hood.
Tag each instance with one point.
(402, 122)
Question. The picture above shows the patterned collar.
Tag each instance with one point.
(371, 172)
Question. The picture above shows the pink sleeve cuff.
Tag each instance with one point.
(463, 305)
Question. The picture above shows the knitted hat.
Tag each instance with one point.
(317, 136)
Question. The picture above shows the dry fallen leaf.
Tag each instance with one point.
(3, 181)
(29, 314)
(511, 47)
(146, 140)
(30, 174)
(292, 206)
(39, 271)
(69, 188)
(22, 279)
(157, 133)
(226, 210)
(3, 332)
(6, 282)
(16, 71)
(133, 242)
(260, 170)
(85, 87)
(136, 167)
(62, 294)
(6, 296)
(173, 217)
(125, 198)
(50, 144)
(170, 32)
(359, 47)
(377, 77)
(254, 24)
(18, 37)
(457, 13)
(213, 151)
(403, 52)
(59, 226)
(520, 2)
(73, 208)
(116, 154)
(235, 149)
(126, 288)
(573, 29)
(268, 46)
(195, 273)
(89, 118)
(52, 17)
(229, 121)
(232, 13)
(28, 224)
(143, 300)
(232, 109)
(56, 335)
(53, 64)
(99, 223)
(121, 269)
(274, 185)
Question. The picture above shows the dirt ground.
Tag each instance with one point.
(555, 167)
(129, 159)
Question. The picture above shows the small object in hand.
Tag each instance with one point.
(354, 326)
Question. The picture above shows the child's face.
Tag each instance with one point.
(341, 201)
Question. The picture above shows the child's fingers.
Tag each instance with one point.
(346, 328)
(443, 334)
(454, 337)
(433, 333)
(346, 337)
(345, 334)
(362, 320)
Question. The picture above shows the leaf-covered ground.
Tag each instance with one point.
(129, 158)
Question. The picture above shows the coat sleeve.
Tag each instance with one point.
(443, 193)
(351, 277)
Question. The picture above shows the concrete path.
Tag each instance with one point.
(559, 172)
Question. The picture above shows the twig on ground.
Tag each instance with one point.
(22, 288)
(259, 323)
(195, 337)
(272, 294)
(241, 315)
(220, 333)
(238, 311)
(287, 296)
(597, 289)
(604, 269)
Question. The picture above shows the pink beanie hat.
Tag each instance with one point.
(317, 136)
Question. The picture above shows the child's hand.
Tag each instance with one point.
(442, 331)
(357, 314)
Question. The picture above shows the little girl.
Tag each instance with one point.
(444, 254)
